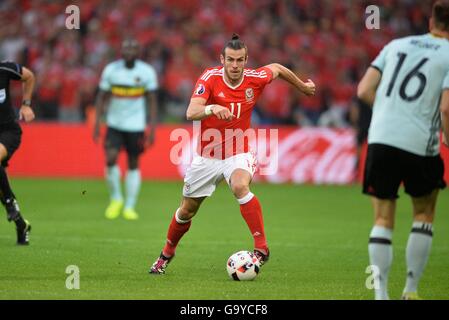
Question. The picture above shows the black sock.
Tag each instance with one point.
(7, 198)
(13, 211)
(5, 188)
(20, 223)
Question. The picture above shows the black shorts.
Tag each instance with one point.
(10, 137)
(133, 142)
(386, 167)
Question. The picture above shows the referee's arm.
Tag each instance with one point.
(28, 79)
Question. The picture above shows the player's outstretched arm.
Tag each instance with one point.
(278, 70)
(28, 79)
(366, 90)
(444, 108)
(198, 110)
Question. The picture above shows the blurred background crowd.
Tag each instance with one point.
(324, 40)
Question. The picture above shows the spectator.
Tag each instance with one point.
(329, 37)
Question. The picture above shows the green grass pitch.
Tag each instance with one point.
(317, 236)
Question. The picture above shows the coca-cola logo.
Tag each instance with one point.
(309, 155)
(315, 155)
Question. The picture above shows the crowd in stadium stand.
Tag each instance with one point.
(324, 40)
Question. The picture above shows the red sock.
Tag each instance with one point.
(174, 234)
(252, 213)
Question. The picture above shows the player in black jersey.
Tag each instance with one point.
(10, 137)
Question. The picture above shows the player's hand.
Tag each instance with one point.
(309, 88)
(26, 113)
(445, 142)
(149, 141)
(222, 113)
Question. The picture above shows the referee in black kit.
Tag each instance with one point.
(10, 137)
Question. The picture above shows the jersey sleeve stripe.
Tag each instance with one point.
(12, 71)
(205, 75)
(208, 72)
(220, 73)
(376, 67)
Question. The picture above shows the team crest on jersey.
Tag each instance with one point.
(200, 89)
(249, 94)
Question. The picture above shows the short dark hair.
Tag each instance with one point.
(440, 14)
(235, 44)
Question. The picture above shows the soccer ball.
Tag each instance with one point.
(243, 265)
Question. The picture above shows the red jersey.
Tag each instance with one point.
(221, 138)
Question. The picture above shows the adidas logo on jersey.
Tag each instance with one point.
(221, 94)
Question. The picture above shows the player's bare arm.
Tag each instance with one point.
(444, 108)
(366, 90)
(100, 108)
(198, 110)
(278, 70)
(152, 107)
(28, 79)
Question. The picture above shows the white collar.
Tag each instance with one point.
(229, 85)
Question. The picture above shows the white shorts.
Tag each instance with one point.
(204, 174)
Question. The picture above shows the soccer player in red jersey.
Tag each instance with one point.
(223, 100)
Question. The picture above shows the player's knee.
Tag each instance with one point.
(3, 152)
(188, 209)
(186, 212)
(240, 189)
(133, 162)
(133, 166)
(111, 158)
(110, 162)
